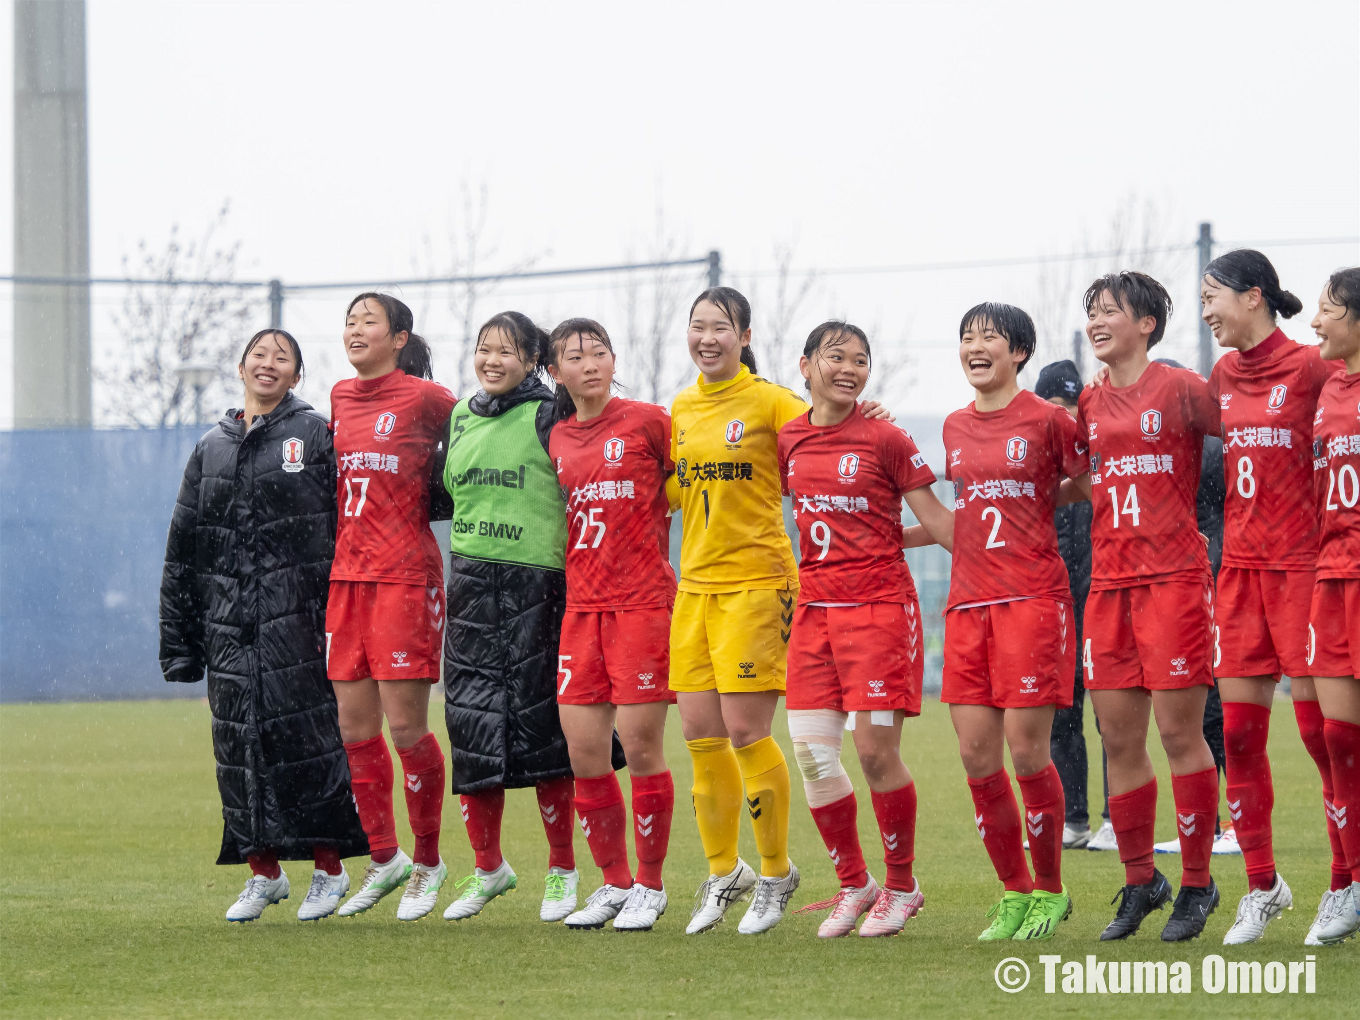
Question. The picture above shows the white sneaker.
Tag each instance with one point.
(1226, 842)
(422, 891)
(642, 909)
(1337, 920)
(259, 893)
(717, 894)
(559, 894)
(379, 880)
(893, 910)
(324, 895)
(1171, 846)
(847, 907)
(479, 889)
(602, 906)
(1256, 910)
(1104, 839)
(769, 902)
(1074, 837)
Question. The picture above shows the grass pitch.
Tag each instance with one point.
(112, 906)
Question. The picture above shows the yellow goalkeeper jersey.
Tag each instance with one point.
(723, 442)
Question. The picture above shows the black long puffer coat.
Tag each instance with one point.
(243, 596)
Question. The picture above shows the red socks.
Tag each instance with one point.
(482, 815)
(327, 859)
(554, 804)
(422, 765)
(836, 823)
(1045, 812)
(653, 804)
(265, 864)
(1196, 797)
(1133, 815)
(998, 823)
(896, 814)
(599, 803)
(1309, 716)
(1251, 794)
(370, 775)
(1343, 746)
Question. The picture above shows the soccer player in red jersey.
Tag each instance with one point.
(1148, 626)
(855, 656)
(1266, 388)
(612, 458)
(1334, 625)
(385, 613)
(1010, 640)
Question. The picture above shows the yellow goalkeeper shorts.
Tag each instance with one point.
(733, 642)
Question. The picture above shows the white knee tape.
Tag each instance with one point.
(817, 761)
(819, 725)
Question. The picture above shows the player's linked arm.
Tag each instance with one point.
(1074, 490)
(937, 520)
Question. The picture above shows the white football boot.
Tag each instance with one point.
(768, 903)
(259, 893)
(1075, 837)
(717, 894)
(1104, 839)
(847, 907)
(893, 910)
(642, 909)
(379, 880)
(1171, 846)
(422, 891)
(1256, 910)
(1226, 842)
(324, 895)
(1339, 922)
(602, 906)
(559, 895)
(479, 889)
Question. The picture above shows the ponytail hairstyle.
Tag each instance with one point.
(279, 334)
(413, 359)
(557, 343)
(738, 311)
(531, 343)
(1344, 289)
(1243, 269)
(833, 333)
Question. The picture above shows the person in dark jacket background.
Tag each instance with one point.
(243, 597)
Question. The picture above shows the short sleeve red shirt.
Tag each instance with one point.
(847, 483)
(1336, 475)
(1267, 397)
(1006, 466)
(386, 431)
(1146, 441)
(613, 472)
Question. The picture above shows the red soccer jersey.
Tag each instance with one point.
(386, 430)
(1336, 474)
(613, 472)
(847, 482)
(1146, 442)
(1006, 466)
(1267, 397)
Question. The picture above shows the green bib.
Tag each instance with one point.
(508, 506)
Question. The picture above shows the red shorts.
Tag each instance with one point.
(384, 630)
(865, 658)
(1334, 628)
(1157, 636)
(618, 658)
(1017, 654)
(1261, 622)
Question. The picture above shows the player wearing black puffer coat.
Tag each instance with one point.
(243, 597)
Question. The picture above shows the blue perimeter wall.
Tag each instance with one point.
(83, 521)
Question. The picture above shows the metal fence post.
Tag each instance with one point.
(275, 304)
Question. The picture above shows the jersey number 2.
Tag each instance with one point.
(992, 543)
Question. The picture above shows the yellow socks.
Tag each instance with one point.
(767, 799)
(717, 800)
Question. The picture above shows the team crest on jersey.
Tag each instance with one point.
(1277, 395)
(735, 429)
(1151, 422)
(849, 465)
(386, 422)
(613, 450)
(292, 455)
(1015, 449)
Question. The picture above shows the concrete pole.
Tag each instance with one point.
(51, 216)
(1206, 335)
(1079, 351)
(715, 269)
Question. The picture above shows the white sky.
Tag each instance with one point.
(873, 134)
